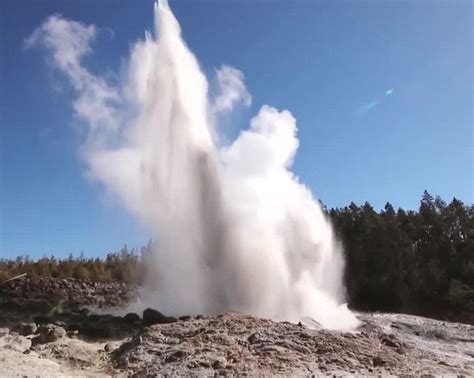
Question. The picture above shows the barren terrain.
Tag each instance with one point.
(61, 337)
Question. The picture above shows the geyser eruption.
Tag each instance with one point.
(235, 230)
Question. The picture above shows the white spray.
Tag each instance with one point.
(235, 229)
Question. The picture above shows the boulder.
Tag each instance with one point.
(26, 329)
(49, 333)
(110, 347)
(15, 342)
(151, 316)
(131, 317)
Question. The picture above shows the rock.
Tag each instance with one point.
(35, 294)
(26, 329)
(185, 318)
(131, 317)
(204, 363)
(98, 330)
(389, 340)
(49, 333)
(401, 350)
(151, 316)
(100, 317)
(15, 342)
(379, 361)
(59, 323)
(176, 356)
(72, 334)
(4, 331)
(219, 363)
(116, 319)
(109, 347)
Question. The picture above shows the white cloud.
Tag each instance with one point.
(231, 89)
(68, 42)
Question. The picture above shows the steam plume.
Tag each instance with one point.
(235, 228)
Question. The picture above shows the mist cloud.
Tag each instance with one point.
(235, 228)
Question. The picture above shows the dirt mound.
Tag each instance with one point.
(235, 344)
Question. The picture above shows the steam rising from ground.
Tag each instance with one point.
(235, 228)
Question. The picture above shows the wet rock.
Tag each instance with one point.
(26, 329)
(49, 333)
(151, 316)
(131, 317)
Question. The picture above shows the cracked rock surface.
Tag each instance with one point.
(235, 344)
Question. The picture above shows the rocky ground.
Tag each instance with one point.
(41, 294)
(84, 336)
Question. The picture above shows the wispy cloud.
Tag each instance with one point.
(231, 90)
(67, 42)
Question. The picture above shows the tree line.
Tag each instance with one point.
(121, 266)
(396, 260)
(408, 261)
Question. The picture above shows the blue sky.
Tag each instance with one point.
(327, 62)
